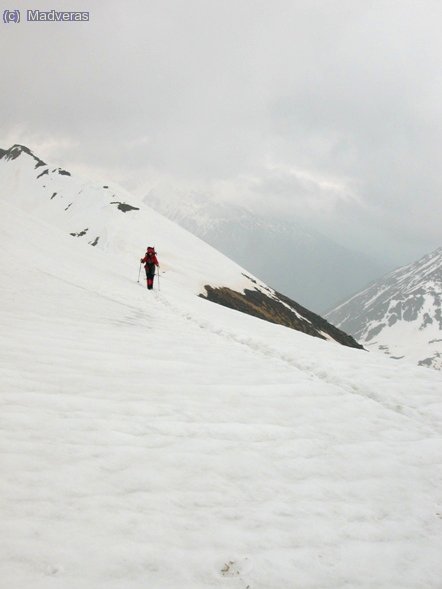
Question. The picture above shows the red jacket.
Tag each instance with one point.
(149, 258)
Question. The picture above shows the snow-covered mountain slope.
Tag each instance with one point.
(109, 218)
(401, 314)
(153, 439)
(293, 258)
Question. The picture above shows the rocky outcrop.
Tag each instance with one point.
(277, 308)
(16, 150)
(122, 206)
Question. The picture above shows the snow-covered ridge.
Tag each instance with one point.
(401, 314)
(111, 219)
(104, 214)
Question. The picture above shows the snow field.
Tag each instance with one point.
(153, 439)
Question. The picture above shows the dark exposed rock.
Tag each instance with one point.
(122, 206)
(16, 150)
(81, 233)
(43, 173)
(438, 317)
(94, 243)
(54, 194)
(431, 361)
(396, 310)
(250, 278)
(426, 362)
(321, 323)
(61, 172)
(278, 309)
(392, 320)
(375, 331)
(427, 320)
(412, 306)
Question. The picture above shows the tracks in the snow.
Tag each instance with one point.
(317, 373)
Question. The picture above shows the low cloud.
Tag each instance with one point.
(328, 110)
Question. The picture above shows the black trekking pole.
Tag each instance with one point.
(139, 272)
(159, 289)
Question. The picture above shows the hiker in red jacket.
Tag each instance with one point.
(150, 261)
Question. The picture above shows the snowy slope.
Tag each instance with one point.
(87, 211)
(109, 218)
(401, 314)
(153, 439)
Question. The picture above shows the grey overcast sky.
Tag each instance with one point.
(329, 110)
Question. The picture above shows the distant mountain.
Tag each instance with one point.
(109, 218)
(401, 314)
(296, 260)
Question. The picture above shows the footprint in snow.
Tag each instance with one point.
(54, 569)
(237, 568)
